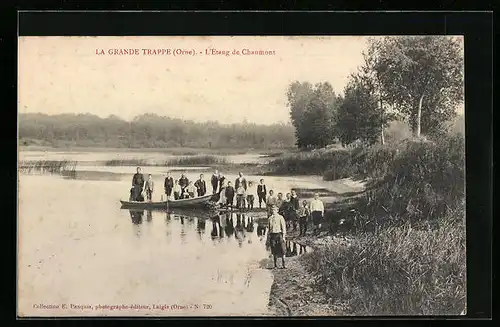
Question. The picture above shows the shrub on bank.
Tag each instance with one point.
(396, 271)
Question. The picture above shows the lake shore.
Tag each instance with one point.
(293, 292)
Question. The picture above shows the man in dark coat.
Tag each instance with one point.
(183, 182)
(261, 193)
(169, 185)
(215, 182)
(240, 180)
(138, 185)
(201, 186)
(229, 193)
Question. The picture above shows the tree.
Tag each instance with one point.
(421, 76)
(312, 111)
(361, 115)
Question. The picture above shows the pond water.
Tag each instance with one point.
(76, 247)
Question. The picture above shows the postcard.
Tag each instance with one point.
(257, 176)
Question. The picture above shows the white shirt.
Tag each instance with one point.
(277, 224)
(317, 205)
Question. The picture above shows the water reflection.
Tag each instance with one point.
(136, 216)
(240, 225)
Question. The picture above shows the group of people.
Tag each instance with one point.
(182, 188)
(283, 213)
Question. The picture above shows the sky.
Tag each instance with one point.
(69, 75)
(65, 75)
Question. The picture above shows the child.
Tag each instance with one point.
(177, 191)
(191, 189)
(250, 195)
(240, 196)
(261, 192)
(229, 194)
(304, 214)
(270, 202)
(149, 188)
(222, 194)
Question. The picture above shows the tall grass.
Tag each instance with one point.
(47, 166)
(396, 271)
(408, 251)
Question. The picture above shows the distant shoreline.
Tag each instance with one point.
(175, 150)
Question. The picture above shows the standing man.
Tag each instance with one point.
(150, 186)
(201, 186)
(183, 182)
(229, 193)
(277, 235)
(261, 192)
(215, 182)
(169, 185)
(317, 212)
(138, 184)
(294, 208)
(240, 185)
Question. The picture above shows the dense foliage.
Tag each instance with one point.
(148, 131)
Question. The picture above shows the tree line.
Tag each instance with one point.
(148, 131)
(417, 80)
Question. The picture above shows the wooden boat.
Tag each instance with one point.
(182, 203)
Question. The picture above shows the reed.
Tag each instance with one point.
(47, 166)
(196, 161)
(127, 162)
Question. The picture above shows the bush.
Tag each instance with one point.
(423, 183)
(396, 271)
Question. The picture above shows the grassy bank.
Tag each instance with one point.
(407, 254)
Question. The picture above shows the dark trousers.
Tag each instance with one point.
(229, 201)
(303, 225)
(201, 192)
(168, 191)
(262, 199)
(137, 193)
(250, 200)
(149, 194)
(240, 201)
(176, 195)
(214, 188)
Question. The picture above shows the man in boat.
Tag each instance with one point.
(138, 185)
(201, 186)
(240, 185)
(191, 190)
(183, 182)
(276, 236)
(222, 180)
(149, 186)
(215, 181)
(250, 195)
(177, 191)
(169, 185)
(229, 193)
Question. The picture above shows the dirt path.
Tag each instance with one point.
(293, 292)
